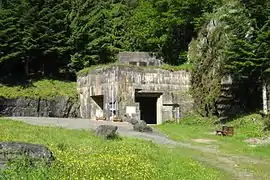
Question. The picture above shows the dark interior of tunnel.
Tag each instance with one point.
(148, 108)
(98, 100)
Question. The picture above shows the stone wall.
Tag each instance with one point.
(58, 107)
(125, 81)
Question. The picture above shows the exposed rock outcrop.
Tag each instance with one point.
(216, 90)
(57, 107)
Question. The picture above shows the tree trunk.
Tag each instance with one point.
(43, 69)
(264, 95)
(26, 68)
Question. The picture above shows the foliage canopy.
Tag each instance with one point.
(56, 38)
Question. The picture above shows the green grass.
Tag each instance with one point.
(44, 89)
(260, 170)
(80, 155)
(246, 127)
(185, 66)
(251, 159)
(86, 71)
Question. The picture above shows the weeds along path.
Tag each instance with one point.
(209, 155)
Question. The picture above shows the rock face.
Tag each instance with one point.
(57, 107)
(206, 53)
(10, 151)
(106, 131)
(141, 126)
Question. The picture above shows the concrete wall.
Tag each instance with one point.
(137, 57)
(125, 80)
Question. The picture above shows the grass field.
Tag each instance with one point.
(199, 132)
(193, 128)
(80, 155)
(44, 89)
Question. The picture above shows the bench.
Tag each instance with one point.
(226, 131)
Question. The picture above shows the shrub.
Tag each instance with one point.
(266, 123)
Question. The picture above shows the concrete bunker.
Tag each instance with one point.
(131, 88)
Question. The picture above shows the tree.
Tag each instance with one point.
(166, 27)
(52, 27)
(15, 35)
(211, 54)
(241, 50)
(97, 28)
(34, 34)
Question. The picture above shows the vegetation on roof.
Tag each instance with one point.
(86, 71)
(186, 67)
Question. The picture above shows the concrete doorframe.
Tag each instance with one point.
(159, 103)
(159, 109)
(97, 106)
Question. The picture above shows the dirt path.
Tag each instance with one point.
(229, 165)
(226, 162)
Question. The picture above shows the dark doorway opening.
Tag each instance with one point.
(148, 107)
(250, 97)
(98, 100)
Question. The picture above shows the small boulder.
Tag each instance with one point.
(10, 151)
(131, 120)
(141, 126)
(106, 131)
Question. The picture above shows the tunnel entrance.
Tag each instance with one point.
(148, 106)
(98, 100)
(97, 106)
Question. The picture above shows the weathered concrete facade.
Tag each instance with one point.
(139, 59)
(150, 94)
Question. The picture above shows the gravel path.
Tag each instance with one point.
(124, 128)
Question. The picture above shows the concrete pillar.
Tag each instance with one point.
(177, 114)
(159, 109)
(88, 106)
